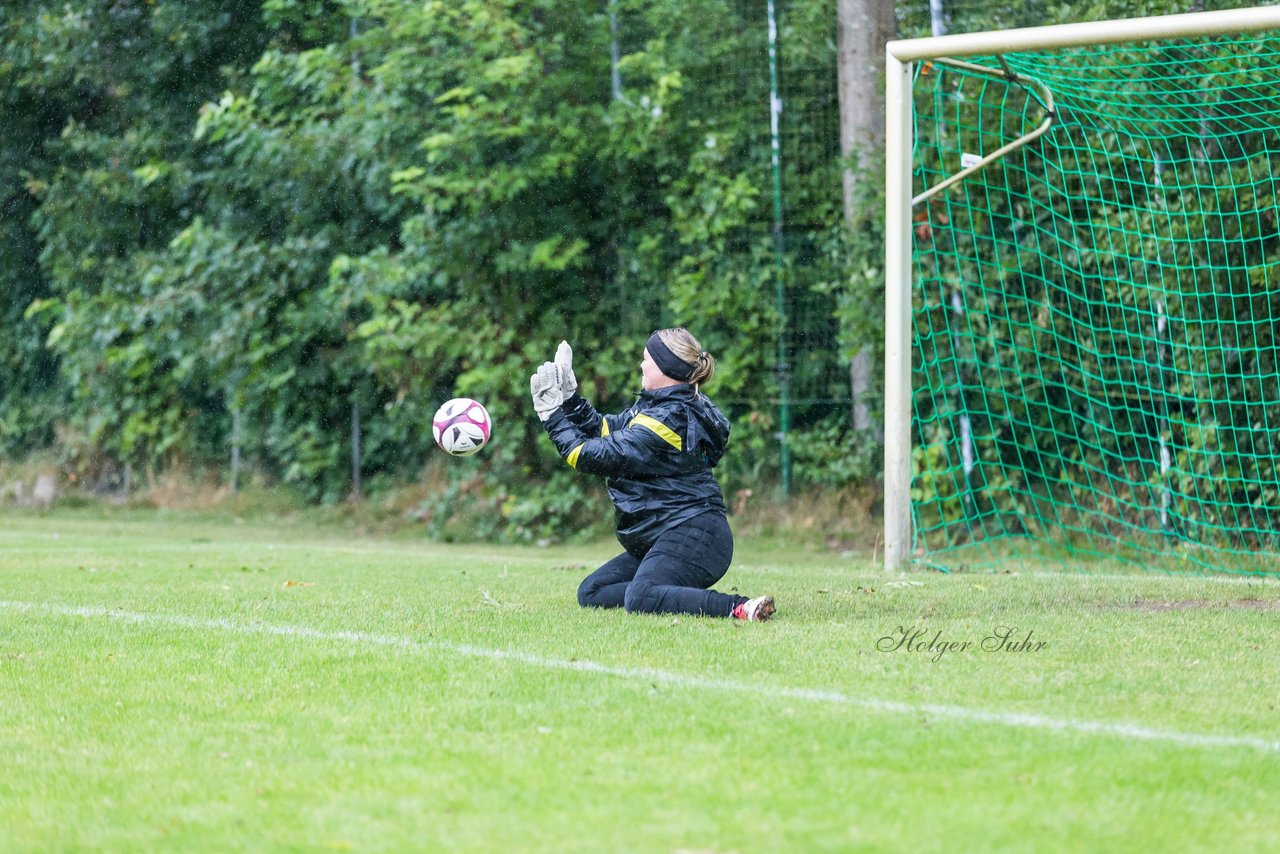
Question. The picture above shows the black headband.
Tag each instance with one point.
(669, 363)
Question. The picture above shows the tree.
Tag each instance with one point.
(865, 26)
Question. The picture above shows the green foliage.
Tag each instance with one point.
(97, 167)
(832, 454)
(473, 506)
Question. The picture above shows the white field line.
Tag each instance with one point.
(960, 714)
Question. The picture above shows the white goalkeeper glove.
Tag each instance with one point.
(564, 364)
(544, 388)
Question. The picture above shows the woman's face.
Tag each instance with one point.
(653, 377)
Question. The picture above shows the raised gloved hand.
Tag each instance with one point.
(544, 388)
(564, 364)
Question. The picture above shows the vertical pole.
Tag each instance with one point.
(968, 456)
(937, 18)
(615, 77)
(784, 369)
(235, 448)
(1164, 347)
(1162, 425)
(355, 61)
(897, 328)
(355, 450)
(615, 86)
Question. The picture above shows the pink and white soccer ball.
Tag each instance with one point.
(462, 426)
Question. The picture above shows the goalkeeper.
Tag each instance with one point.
(657, 458)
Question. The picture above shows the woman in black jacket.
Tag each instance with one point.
(657, 458)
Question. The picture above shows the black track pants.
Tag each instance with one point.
(673, 577)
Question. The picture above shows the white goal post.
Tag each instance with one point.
(900, 55)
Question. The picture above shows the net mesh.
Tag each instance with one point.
(1095, 347)
(726, 85)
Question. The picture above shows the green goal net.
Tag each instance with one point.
(1096, 370)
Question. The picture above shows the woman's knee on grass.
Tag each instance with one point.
(593, 593)
(640, 598)
(586, 592)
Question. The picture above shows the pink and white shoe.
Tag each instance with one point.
(755, 610)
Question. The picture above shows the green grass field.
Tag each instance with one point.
(183, 682)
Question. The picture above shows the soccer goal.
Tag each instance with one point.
(1083, 294)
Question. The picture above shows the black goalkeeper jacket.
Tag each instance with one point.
(656, 456)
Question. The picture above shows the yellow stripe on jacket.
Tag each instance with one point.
(661, 429)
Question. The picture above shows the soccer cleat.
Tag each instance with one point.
(755, 610)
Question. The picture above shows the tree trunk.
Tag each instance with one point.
(864, 27)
